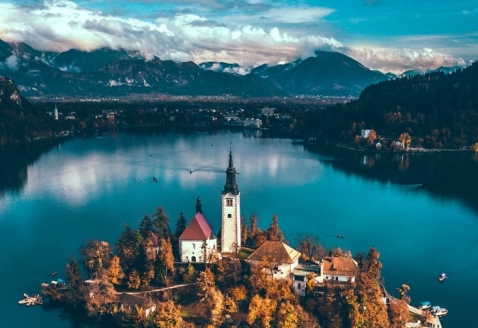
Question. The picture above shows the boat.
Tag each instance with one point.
(442, 277)
(438, 311)
(31, 300)
(425, 305)
(155, 179)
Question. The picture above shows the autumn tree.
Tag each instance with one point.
(205, 283)
(134, 280)
(405, 139)
(161, 222)
(101, 294)
(372, 135)
(167, 315)
(274, 233)
(474, 147)
(95, 257)
(166, 258)
(398, 313)
(115, 273)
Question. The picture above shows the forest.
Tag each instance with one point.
(219, 292)
(436, 110)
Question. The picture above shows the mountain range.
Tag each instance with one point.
(108, 72)
(119, 73)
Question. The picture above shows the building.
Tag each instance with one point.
(126, 302)
(341, 269)
(283, 258)
(231, 212)
(252, 123)
(197, 243)
(302, 273)
(365, 132)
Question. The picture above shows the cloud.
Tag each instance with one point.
(399, 60)
(11, 63)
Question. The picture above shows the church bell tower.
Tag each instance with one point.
(231, 212)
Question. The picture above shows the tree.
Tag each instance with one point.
(244, 231)
(475, 147)
(405, 139)
(115, 272)
(274, 233)
(180, 225)
(134, 280)
(128, 248)
(95, 257)
(309, 245)
(167, 315)
(75, 290)
(167, 254)
(161, 222)
(101, 294)
(73, 274)
(145, 227)
(371, 137)
(205, 283)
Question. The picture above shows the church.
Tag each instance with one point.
(198, 243)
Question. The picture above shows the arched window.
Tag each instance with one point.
(229, 216)
(193, 259)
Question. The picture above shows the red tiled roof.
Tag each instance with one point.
(198, 229)
(277, 251)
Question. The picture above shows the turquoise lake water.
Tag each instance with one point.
(422, 218)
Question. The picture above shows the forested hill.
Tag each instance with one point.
(19, 119)
(437, 110)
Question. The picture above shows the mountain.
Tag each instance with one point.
(328, 73)
(19, 120)
(107, 72)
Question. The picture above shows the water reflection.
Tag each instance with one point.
(14, 162)
(444, 174)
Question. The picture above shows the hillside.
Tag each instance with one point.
(19, 120)
(437, 110)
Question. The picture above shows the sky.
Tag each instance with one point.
(386, 35)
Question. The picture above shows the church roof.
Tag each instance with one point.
(198, 229)
(340, 266)
(277, 251)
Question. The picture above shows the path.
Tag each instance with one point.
(154, 290)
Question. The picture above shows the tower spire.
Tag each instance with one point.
(198, 205)
(231, 185)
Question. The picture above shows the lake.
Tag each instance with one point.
(418, 210)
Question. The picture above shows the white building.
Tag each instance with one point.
(283, 257)
(365, 133)
(197, 240)
(231, 212)
(253, 123)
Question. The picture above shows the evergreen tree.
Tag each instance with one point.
(180, 225)
(128, 248)
(145, 227)
(161, 222)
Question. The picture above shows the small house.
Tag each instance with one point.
(282, 256)
(127, 302)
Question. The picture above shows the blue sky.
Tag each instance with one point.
(391, 36)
